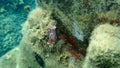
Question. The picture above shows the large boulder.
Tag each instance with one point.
(20, 57)
(104, 48)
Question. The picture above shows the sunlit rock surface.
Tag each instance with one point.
(104, 48)
(20, 57)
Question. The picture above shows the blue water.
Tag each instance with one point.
(12, 15)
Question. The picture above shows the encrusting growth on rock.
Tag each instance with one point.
(104, 48)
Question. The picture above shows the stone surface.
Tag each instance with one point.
(86, 14)
(104, 48)
(20, 57)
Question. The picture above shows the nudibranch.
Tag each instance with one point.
(52, 34)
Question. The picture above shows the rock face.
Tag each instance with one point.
(83, 13)
(36, 30)
(20, 57)
(104, 48)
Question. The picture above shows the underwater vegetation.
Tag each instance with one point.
(66, 34)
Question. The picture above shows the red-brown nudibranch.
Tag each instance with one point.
(52, 35)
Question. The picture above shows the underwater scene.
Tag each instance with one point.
(59, 33)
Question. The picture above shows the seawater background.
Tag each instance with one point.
(12, 15)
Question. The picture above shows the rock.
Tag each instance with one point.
(104, 48)
(85, 14)
(20, 57)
